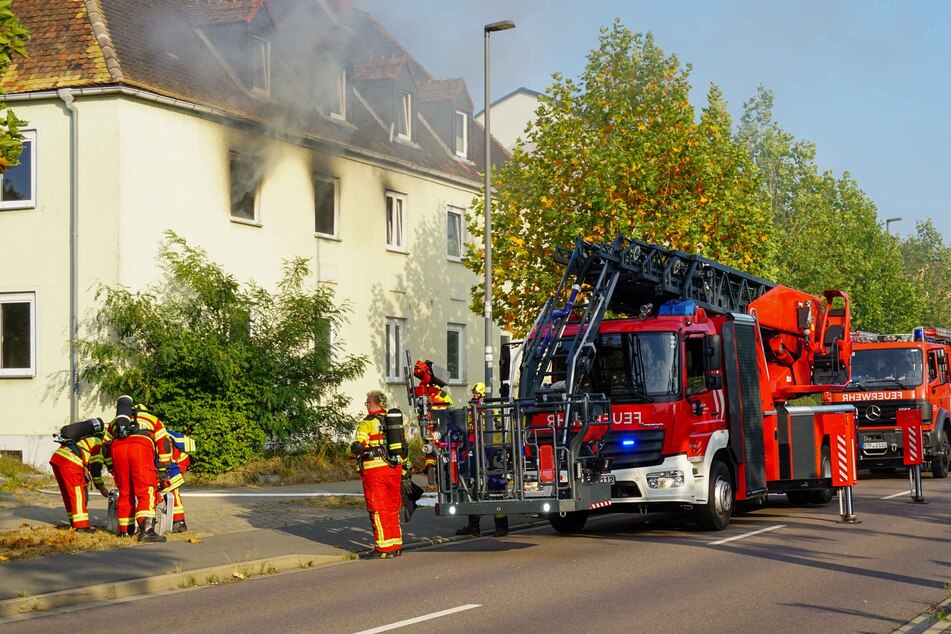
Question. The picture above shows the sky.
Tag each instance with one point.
(868, 82)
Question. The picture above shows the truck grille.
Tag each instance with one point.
(634, 448)
(873, 414)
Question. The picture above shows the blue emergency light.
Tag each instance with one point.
(683, 308)
(919, 334)
(627, 443)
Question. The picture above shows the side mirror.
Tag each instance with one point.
(714, 381)
(505, 364)
(712, 358)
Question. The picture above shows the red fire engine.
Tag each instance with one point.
(658, 380)
(897, 372)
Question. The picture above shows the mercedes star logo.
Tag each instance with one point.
(873, 412)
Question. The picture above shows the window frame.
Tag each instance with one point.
(29, 298)
(404, 113)
(460, 331)
(234, 157)
(462, 134)
(396, 197)
(334, 182)
(459, 214)
(340, 101)
(29, 137)
(260, 51)
(393, 342)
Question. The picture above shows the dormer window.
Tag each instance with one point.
(404, 117)
(338, 109)
(260, 65)
(462, 134)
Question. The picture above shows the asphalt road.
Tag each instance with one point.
(784, 569)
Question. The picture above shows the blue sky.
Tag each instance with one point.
(868, 82)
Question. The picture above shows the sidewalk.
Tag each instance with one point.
(243, 532)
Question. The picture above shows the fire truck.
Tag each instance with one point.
(892, 372)
(657, 380)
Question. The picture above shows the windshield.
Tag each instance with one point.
(875, 368)
(633, 366)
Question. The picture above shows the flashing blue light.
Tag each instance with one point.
(627, 443)
(684, 308)
(919, 334)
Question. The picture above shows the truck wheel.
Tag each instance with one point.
(571, 522)
(798, 498)
(825, 495)
(715, 514)
(939, 466)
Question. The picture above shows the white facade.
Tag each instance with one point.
(145, 167)
(510, 115)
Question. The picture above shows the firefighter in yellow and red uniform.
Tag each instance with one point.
(381, 476)
(70, 464)
(176, 478)
(431, 388)
(501, 519)
(138, 455)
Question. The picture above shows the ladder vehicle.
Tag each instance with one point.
(666, 379)
(892, 372)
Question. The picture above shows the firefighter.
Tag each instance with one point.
(176, 478)
(138, 455)
(70, 464)
(381, 475)
(501, 519)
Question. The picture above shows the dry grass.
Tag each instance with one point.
(29, 542)
(292, 469)
(332, 502)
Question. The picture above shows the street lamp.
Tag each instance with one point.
(889, 221)
(489, 28)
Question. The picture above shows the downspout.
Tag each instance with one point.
(67, 96)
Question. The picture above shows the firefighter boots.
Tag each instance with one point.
(147, 532)
(376, 554)
(501, 526)
(472, 528)
(179, 526)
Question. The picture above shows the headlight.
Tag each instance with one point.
(665, 479)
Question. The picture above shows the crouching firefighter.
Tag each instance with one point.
(381, 471)
(181, 445)
(138, 457)
(80, 450)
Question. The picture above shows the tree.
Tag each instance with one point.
(619, 153)
(928, 262)
(231, 366)
(13, 38)
(826, 230)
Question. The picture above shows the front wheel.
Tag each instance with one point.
(939, 465)
(825, 495)
(570, 522)
(715, 514)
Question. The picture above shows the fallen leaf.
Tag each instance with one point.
(237, 575)
(192, 540)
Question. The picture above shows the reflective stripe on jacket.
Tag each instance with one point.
(153, 429)
(89, 456)
(371, 435)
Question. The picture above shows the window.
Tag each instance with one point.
(462, 134)
(17, 339)
(393, 343)
(326, 206)
(18, 183)
(454, 234)
(395, 238)
(260, 65)
(455, 352)
(244, 187)
(339, 108)
(404, 118)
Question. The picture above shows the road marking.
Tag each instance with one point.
(735, 537)
(420, 619)
(895, 495)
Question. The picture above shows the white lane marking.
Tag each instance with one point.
(735, 537)
(895, 495)
(420, 619)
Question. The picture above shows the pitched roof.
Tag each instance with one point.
(445, 89)
(189, 50)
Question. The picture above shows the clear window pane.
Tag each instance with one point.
(18, 180)
(454, 235)
(453, 361)
(15, 335)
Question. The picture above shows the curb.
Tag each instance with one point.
(26, 607)
(928, 622)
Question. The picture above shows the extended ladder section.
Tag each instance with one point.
(921, 333)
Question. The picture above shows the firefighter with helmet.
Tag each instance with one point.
(501, 519)
(70, 464)
(382, 476)
(138, 455)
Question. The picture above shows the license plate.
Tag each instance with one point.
(874, 445)
(608, 479)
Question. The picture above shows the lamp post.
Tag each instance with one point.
(487, 30)
(889, 221)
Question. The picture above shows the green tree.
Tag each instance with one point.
(232, 366)
(928, 262)
(13, 38)
(826, 230)
(621, 152)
